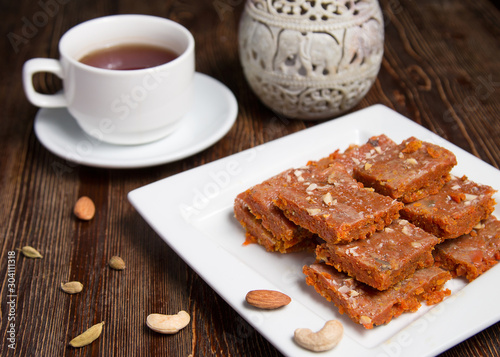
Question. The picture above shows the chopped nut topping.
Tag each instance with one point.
(371, 189)
(300, 179)
(328, 199)
(378, 149)
(365, 320)
(324, 187)
(298, 173)
(353, 293)
(313, 211)
(311, 187)
(344, 289)
(455, 187)
(405, 230)
(368, 166)
(479, 226)
(416, 244)
(403, 222)
(356, 161)
(388, 230)
(401, 155)
(469, 197)
(352, 251)
(411, 161)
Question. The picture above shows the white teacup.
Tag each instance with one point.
(120, 106)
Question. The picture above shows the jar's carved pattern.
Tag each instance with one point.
(311, 59)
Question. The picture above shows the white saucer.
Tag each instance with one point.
(214, 113)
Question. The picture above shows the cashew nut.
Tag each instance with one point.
(323, 340)
(168, 323)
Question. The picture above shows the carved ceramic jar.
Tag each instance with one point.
(311, 59)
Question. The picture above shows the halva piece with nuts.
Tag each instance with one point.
(368, 306)
(337, 208)
(385, 258)
(454, 210)
(471, 254)
(411, 171)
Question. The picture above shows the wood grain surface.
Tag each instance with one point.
(441, 68)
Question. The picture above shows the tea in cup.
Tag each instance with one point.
(127, 79)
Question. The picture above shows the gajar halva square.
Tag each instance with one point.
(338, 209)
(411, 171)
(384, 259)
(256, 233)
(368, 306)
(354, 154)
(454, 210)
(471, 254)
(258, 201)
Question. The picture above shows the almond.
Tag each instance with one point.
(84, 208)
(267, 299)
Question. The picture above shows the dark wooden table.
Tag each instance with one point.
(441, 68)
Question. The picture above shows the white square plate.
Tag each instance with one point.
(193, 213)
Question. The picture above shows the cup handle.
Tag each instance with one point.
(37, 65)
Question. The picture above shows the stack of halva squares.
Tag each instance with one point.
(388, 223)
